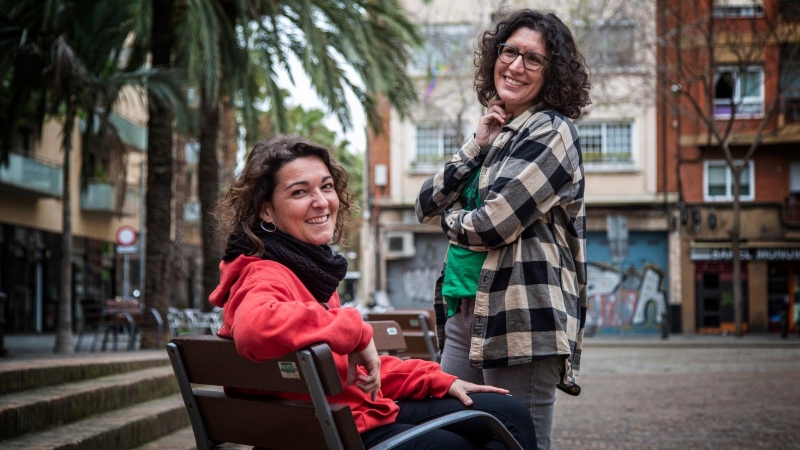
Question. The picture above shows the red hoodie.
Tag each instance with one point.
(268, 313)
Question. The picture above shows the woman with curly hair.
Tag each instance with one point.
(278, 294)
(510, 305)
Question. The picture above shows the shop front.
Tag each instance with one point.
(770, 286)
(30, 263)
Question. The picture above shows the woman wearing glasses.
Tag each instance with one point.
(510, 306)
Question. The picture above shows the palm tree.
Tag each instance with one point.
(61, 61)
(232, 51)
(254, 41)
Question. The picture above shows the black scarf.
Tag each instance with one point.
(317, 267)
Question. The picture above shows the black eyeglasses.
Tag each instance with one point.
(531, 60)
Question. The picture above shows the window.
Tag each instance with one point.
(608, 45)
(739, 92)
(738, 8)
(447, 47)
(606, 142)
(718, 183)
(435, 143)
(790, 81)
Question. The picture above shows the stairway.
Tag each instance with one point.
(121, 400)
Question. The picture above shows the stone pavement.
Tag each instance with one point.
(686, 393)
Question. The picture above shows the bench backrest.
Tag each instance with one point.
(261, 421)
(418, 331)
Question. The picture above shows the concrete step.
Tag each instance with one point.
(23, 374)
(121, 429)
(38, 409)
(183, 439)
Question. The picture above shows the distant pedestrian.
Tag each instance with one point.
(511, 305)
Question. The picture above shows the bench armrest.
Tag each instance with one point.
(499, 430)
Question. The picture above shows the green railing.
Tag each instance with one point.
(129, 132)
(101, 196)
(32, 175)
(600, 157)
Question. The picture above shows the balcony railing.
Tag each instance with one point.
(129, 132)
(32, 176)
(101, 197)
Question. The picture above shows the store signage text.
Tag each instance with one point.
(747, 254)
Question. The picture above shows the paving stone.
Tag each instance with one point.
(683, 398)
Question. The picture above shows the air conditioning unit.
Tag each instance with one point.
(400, 244)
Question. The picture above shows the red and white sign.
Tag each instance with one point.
(126, 235)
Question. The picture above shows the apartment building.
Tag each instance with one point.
(31, 224)
(749, 92)
(618, 136)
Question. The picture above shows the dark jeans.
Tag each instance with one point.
(468, 434)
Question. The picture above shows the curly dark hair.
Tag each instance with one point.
(238, 211)
(566, 79)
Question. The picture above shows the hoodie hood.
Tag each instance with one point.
(229, 275)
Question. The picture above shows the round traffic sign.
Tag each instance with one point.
(126, 235)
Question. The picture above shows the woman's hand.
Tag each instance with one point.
(459, 389)
(368, 358)
(492, 123)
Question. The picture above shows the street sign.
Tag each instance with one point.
(617, 229)
(126, 235)
(127, 249)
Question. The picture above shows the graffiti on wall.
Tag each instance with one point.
(419, 283)
(632, 301)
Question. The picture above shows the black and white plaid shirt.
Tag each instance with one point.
(531, 299)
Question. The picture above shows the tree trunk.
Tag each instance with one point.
(64, 330)
(738, 304)
(159, 184)
(228, 142)
(180, 262)
(208, 176)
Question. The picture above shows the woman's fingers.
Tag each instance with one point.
(483, 388)
(461, 390)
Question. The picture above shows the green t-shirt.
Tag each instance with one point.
(463, 269)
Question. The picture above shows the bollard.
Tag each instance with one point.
(784, 324)
(3, 351)
(664, 325)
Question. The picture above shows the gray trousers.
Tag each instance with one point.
(534, 383)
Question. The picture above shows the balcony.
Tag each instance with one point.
(31, 176)
(101, 197)
(130, 133)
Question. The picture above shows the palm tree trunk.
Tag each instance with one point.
(180, 263)
(159, 183)
(64, 329)
(208, 174)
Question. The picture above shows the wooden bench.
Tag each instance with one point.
(388, 337)
(270, 422)
(419, 332)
